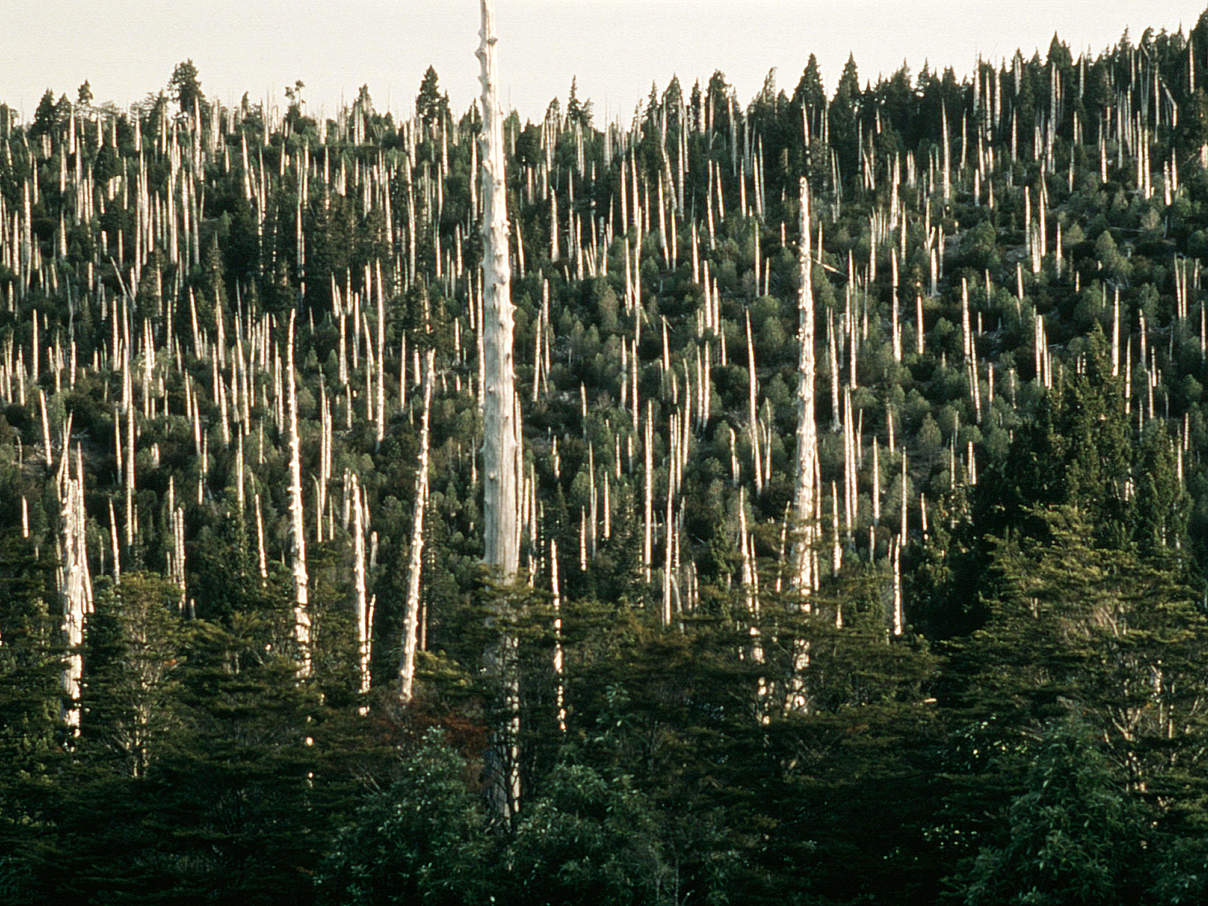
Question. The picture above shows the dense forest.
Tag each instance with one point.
(860, 505)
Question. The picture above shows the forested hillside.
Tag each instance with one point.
(914, 612)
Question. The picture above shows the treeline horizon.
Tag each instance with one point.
(295, 93)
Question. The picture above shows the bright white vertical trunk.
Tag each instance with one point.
(559, 687)
(648, 492)
(802, 575)
(297, 539)
(500, 431)
(752, 418)
(262, 559)
(918, 330)
(380, 389)
(501, 434)
(128, 411)
(805, 475)
(75, 583)
(411, 618)
(364, 608)
(947, 155)
(896, 326)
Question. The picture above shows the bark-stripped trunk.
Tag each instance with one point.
(501, 444)
(75, 583)
(128, 412)
(364, 604)
(804, 485)
(559, 680)
(501, 436)
(297, 539)
(752, 413)
(414, 566)
(947, 154)
(380, 388)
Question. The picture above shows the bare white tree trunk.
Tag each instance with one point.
(805, 484)
(501, 434)
(647, 478)
(560, 685)
(380, 389)
(75, 583)
(805, 479)
(262, 559)
(947, 155)
(411, 618)
(128, 412)
(297, 539)
(752, 417)
(895, 553)
(364, 605)
(501, 444)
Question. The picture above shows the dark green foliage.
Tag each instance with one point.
(31, 658)
(588, 839)
(419, 841)
(133, 654)
(1059, 842)
(431, 106)
(185, 86)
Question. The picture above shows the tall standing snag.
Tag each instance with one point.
(805, 480)
(75, 582)
(501, 440)
(803, 572)
(297, 538)
(415, 564)
(501, 444)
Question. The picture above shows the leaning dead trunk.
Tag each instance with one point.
(411, 618)
(501, 436)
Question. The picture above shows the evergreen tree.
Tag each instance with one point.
(845, 112)
(421, 841)
(185, 87)
(133, 639)
(577, 111)
(431, 106)
(1060, 839)
(31, 743)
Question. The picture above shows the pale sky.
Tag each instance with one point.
(616, 48)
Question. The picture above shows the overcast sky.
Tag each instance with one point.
(617, 48)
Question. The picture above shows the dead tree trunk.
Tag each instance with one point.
(411, 618)
(804, 486)
(75, 584)
(500, 431)
(364, 604)
(297, 538)
(501, 435)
